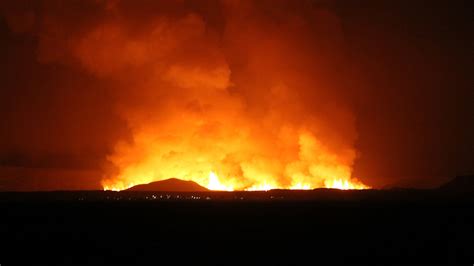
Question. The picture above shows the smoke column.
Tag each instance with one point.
(230, 94)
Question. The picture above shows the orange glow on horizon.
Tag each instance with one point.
(215, 185)
(231, 111)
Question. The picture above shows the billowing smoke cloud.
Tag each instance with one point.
(230, 94)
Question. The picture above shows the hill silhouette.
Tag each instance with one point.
(172, 184)
(460, 183)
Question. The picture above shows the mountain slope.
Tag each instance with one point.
(460, 183)
(172, 184)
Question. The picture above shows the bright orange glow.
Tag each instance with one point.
(215, 184)
(344, 184)
(225, 159)
(231, 113)
(230, 156)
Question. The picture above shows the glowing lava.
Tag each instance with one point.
(226, 107)
(215, 184)
(344, 184)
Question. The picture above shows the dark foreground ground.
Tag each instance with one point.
(267, 228)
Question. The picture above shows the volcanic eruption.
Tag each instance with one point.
(250, 106)
(233, 95)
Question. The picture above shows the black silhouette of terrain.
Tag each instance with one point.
(460, 184)
(172, 184)
(266, 228)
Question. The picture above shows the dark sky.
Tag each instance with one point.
(415, 118)
(408, 79)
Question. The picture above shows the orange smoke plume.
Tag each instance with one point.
(237, 111)
(234, 95)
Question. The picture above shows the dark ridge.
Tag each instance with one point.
(172, 184)
(460, 184)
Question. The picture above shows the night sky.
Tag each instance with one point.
(402, 68)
